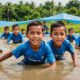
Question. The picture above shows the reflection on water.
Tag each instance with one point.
(10, 70)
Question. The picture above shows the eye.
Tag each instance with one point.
(55, 34)
(62, 33)
(31, 32)
(38, 32)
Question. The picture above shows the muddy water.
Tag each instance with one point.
(10, 70)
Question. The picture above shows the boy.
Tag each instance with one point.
(71, 36)
(77, 46)
(6, 33)
(16, 37)
(58, 43)
(23, 32)
(45, 26)
(47, 32)
(35, 51)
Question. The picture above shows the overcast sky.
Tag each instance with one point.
(37, 2)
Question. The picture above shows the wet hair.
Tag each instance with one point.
(6, 27)
(34, 23)
(57, 24)
(70, 29)
(15, 25)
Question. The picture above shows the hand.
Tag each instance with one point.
(76, 65)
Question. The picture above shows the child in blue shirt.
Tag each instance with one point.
(23, 32)
(6, 33)
(77, 45)
(59, 44)
(70, 35)
(16, 36)
(35, 51)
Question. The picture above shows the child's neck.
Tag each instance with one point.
(56, 46)
(36, 47)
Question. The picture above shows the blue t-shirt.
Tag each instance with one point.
(31, 57)
(59, 52)
(45, 27)
(78, 41)
(71, 38)
(5, 36)
(16, 39)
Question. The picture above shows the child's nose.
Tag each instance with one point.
(35, 35)
(59, 36)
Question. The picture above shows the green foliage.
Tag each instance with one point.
(27, 11)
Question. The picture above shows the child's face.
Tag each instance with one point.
(16, 30)
(6, 31)
(23, 32)
(58, 35)
(71, 32)
(35, 35)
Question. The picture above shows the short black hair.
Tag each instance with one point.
(22, 29)
(57, 24)
(70, 29)
(6, 27)
(34, 23)
(15, 25)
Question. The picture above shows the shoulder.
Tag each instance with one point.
(78, 37)
(19, 34)
(50, 42)
(66, 42)
(24, 45)
(74, 36)
(45, 45)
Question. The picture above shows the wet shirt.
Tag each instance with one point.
(5, 36)
(15, 39)
(30, 56)
(59, 52)
(78, 41)
(71, 38)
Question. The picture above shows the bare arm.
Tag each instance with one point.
(77, 47)
(5, 56)
(75, 61)
(53, 65)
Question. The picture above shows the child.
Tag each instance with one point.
(58, 43)
(35, 51)
(47, 32)
(77, 46)
(16, 37)
(45, 26)
(23, 32)
(6, 33)
(71, 36)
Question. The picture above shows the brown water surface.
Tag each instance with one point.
(10, 70)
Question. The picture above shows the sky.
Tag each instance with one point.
(37, 2)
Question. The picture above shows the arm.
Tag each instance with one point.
(77, 47)
(9, 38)
(74, 58)
(53, 65)
(5, 56)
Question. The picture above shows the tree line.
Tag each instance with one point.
(28, 11)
